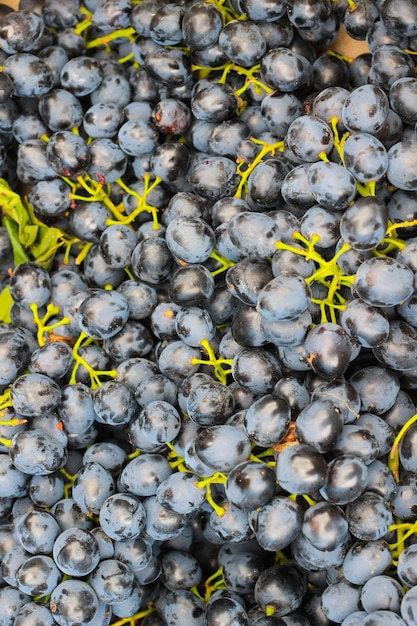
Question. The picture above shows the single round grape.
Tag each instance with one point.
(73, 600)
(179, 493)
(222, 447)
(250, 485)
(76, 552)
(405, 568)
(369, 516)
(365, 157)
(102, 313)
(30, 283)
(284, 70)
(34, 452)
(277, 523)
(375, 274)
(32, 614)
(382, 592)
(365, 109)
(36, 531)
(400, 158)
(38, 575)
(161, 523)
(281, 587)
(347, 479)
(201, 25)
(92, 486)
(364, 560)
(408, 606)
(325, 525)
(183, 607)
(122, 516)
(233, 525)
(365, 323)
(331, 185)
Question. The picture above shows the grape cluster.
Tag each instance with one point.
(208, 339)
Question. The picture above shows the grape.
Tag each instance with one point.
(241, 570)
(102, 314)
(378, 271)
(30, 283)
(300, 469)
(73, 600)
(315, 133)
(35, 453)
(122, 516)
(267, 420)
(399, 172)
(347, 478)
(407, 608)
(92, 486)
(183, 607)
(284, 70)
(76, 552)
(389, 63)
(250, 484)
(383, 616)
(36, 531)
(233, 525)
(226, 608)
(281, 587)
(31, 614)
(331, 185)
(114, 403)
(68, 153)
(365, 109)
(12, 600)
(201, 25)
(369, 516)
(213, 103)
(38, 575)
(179, 493)
(277, 523)
(381, 593)
(15, 356)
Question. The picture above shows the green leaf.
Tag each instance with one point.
(19, 253)
(44, 249)
(6, 302)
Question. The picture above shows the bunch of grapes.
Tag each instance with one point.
(208, 307)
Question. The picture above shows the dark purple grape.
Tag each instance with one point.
(81, 75)
(331, 185)
(242, 42)
(67, 153)
(282, 587)
(31, 77)
(400, 172)
(389, 63)
(340, 599)
(285, 70)
(250, 485)
(277, 523)
(347, 479)
(214, 102)
(168, 66)
(373, 276)
(364, 560)
(34, 452)
(329, 350)
(365, 109)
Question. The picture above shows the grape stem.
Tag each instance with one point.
(394, 454)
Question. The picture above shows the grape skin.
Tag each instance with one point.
(213, 335)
